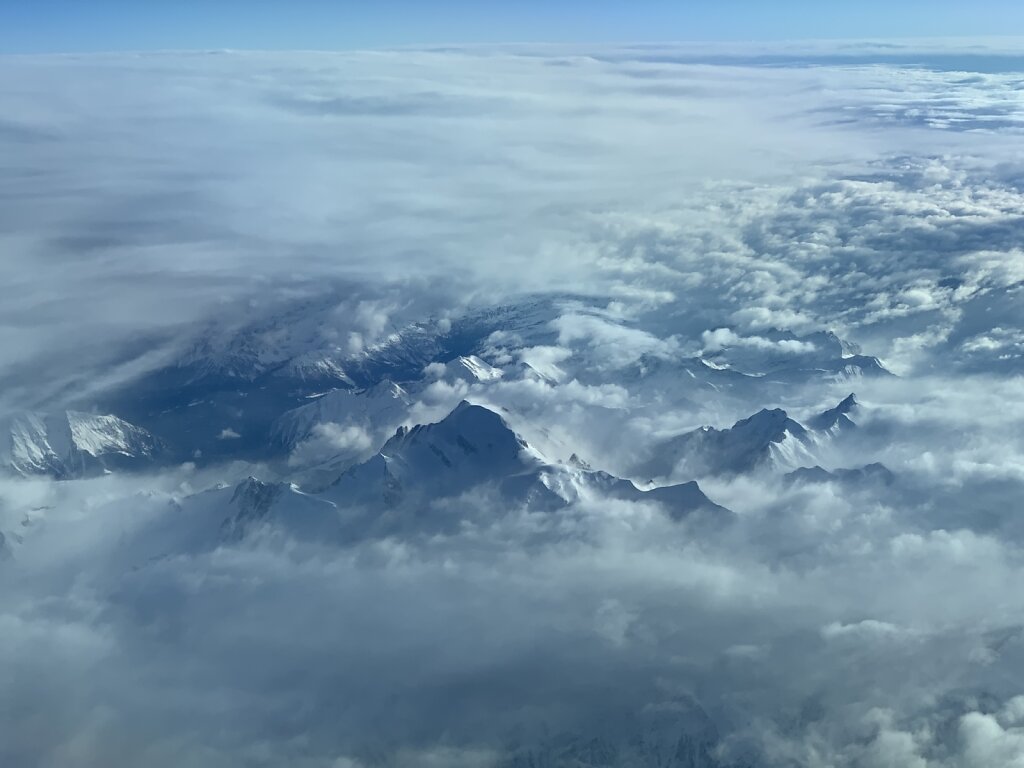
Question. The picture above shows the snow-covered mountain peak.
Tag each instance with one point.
(768, 439)
(473, 369)
(252, 499)
(528, 372)
(471, 446)
(848, 403)
(839, 418)
(97, 434)
(474, 447)
(768, 425)
(73, 444)
(471, 435)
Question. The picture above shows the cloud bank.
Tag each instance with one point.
(611, 248)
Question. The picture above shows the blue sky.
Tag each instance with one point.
(88, 25)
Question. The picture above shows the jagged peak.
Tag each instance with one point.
(838, 416)
(69, 443)
(466, 424)
(475, 367)
(766, 414)
(466, 410)
(472, 444)
(254, 497)
(529, 372)
(848, 403)
(576, 461)
(770, 422)
(251, 484)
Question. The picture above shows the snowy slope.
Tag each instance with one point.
(470, 461)
(472, 369)
(254, 390)
(767, 440)
(839, 419)
(473, 447)
(382, 406)
(74, 444)
(378, 409)
(299, 340)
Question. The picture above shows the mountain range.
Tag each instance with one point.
(345, 456)
(768, 440)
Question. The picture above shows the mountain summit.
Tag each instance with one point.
(837, 419)
(766, 439)
(72, 444)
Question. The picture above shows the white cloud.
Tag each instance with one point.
(329, 440)
(674, 207)
(987, 743)
(723, 338)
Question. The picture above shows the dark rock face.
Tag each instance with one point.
(837, 419)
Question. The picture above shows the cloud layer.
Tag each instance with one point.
(643, 241)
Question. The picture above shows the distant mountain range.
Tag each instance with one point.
(348, 459)
(768, 440)
(245, 392)
(407, 488)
